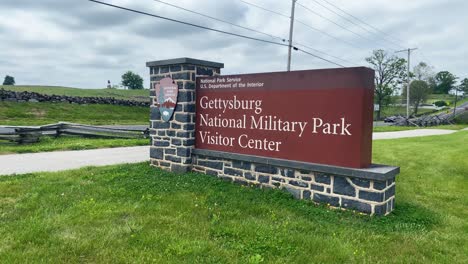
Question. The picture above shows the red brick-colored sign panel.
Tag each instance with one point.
(317, 116)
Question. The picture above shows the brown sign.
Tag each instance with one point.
(166, 97)
(317, 116)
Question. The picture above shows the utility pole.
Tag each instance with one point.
(291, 29)
(455, 106)
(408, 81)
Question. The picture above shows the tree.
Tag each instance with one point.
(389, 72)
(132, 80)
(464, 86)
(419, 90)
(423, 72)
(445, 81)
(9, 80)
(432, 83)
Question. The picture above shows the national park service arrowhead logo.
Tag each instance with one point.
(166, 97)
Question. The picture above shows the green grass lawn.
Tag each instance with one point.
(12, 113)
(69, 143)
(139, 95)
(402, 128)
(400, 110)
(139, 214)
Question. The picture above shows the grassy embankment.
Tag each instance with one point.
(70, 143)
(402, 128)
(46, 113)
(400, 110)
(136, 214)
(138, 95)
(25, 114)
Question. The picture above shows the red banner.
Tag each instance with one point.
(317, 116)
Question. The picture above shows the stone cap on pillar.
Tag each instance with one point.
(191, 61)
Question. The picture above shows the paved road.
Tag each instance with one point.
(65, 160)
(411, 133)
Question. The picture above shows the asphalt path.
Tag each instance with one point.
(65, 160)
(411, 133)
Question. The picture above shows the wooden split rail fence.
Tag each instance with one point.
(32, 134)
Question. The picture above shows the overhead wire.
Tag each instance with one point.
(188, 24)
(300, 22)
(311, 54)
(253, 30)
(333, 22)
(212, 29)
(321, 52)
(265, 9)
(356, 24)
(363, 22)
(220, 20)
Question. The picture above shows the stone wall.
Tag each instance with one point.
(360, 194)
(12, 96)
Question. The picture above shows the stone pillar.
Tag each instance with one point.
(172, 142)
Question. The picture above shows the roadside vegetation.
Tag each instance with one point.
(401, 110)
(139, 214)
(69, 143)
(12, 113)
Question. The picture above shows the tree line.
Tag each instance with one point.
(130, 80)
(391, 75)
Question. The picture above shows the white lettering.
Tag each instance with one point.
(344, 130)
(231, 104)
(261, 144)
(317, 125)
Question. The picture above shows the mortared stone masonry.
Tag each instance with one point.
(172, 142)
(370, 190)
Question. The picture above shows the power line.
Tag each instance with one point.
(354, 23)
(327, 34)
(311, 54)
(331, 21)
(302, 23)
(408, 79)
(211, 29)
(321, 52)
(265, 9)
(247, 28)
(374, 28)
(220, 20)
(188, 24)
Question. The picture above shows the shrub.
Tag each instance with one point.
(440, 103)
(462, 119)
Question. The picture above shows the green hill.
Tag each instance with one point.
(137, 95)
(12, 113)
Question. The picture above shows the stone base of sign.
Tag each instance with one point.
(370, 191)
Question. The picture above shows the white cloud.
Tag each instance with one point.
(82, 44)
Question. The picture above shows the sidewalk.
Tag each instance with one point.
(411, 133)
(65, 160)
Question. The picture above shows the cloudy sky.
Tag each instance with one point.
(78, 43)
